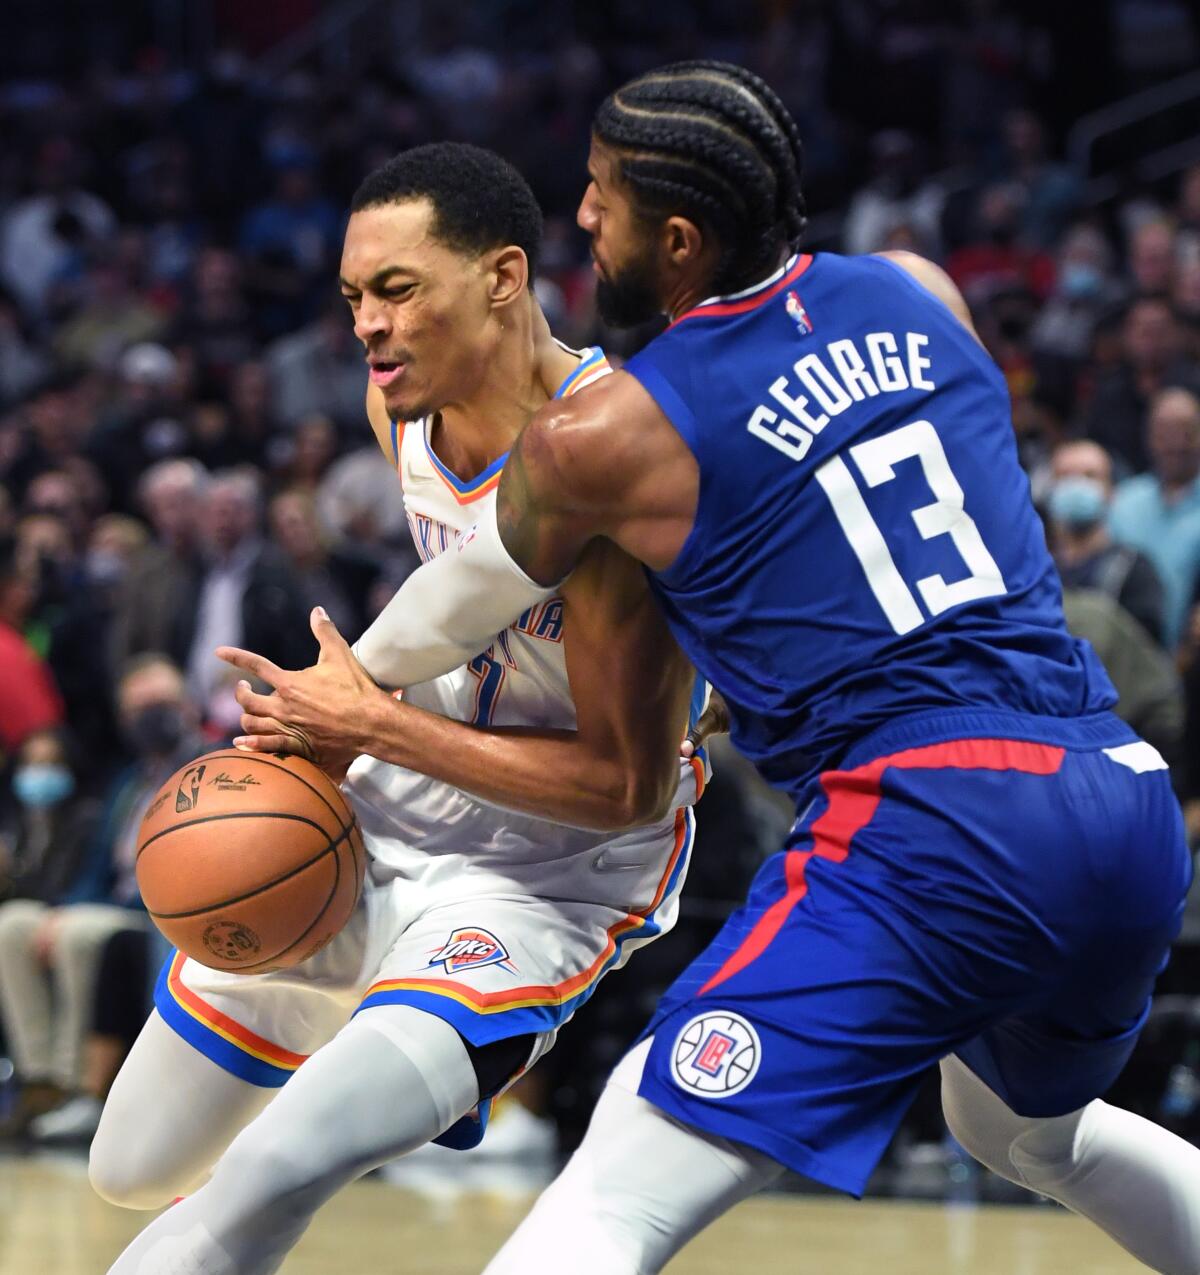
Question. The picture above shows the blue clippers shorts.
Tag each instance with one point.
(1007, 899)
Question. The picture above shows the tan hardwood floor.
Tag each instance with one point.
(52, 1224)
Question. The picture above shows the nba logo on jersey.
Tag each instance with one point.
(716, 1055)
(471, 949)
(798, 314)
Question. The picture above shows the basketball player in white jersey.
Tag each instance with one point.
(527, 816)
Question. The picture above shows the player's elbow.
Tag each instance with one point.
(644, 798)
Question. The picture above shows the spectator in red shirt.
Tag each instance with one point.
(29, 700)
(996, 261)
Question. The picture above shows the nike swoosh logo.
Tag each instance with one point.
(601, 863)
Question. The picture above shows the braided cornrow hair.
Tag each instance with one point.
(711, 141)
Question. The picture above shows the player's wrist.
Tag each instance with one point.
(379, 729)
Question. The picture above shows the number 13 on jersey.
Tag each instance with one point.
(945, 516)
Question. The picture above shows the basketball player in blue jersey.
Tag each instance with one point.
(526, 816)
(815, 464)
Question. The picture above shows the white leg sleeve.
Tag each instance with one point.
(1135, 1180)
(170, 1114)
(639, 1187)
(390, 1080)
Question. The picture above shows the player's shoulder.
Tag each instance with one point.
(934, 280)
(583, 425)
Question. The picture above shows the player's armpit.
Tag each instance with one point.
(630, 683)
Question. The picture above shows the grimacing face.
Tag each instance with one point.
(627, 291)
(420, 308)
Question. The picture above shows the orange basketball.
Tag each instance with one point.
(250, 862)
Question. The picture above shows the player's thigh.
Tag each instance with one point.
(1126, 884)
(504, 968)
(169, 1116)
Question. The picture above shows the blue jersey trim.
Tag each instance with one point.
(590, 359)
(395, 444)
(971, 343)
(463, 487)
(216, 1048)
(642, 368)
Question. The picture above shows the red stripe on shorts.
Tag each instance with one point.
(853, 797)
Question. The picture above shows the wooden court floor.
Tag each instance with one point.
(52, 1224)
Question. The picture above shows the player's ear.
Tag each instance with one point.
(508, 275)
(683, 241)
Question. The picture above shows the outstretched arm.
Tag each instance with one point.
(619, 767)
(604, 463)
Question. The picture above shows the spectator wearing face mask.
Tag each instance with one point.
(43, 844)
(1084, 290)
(50, 947)
(1159, 512)
(1084, 550)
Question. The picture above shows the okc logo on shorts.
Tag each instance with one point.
(469, 949)
(716, 1055)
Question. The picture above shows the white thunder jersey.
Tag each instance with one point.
(457, 845)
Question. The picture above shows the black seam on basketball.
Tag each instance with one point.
(283, 951)
(264, 759)
(235, 814)
(330, 848)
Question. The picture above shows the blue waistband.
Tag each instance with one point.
(1077, 734)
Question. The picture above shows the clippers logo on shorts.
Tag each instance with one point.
(469, 949)
(716, 1055)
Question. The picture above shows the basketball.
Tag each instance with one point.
(249, 862)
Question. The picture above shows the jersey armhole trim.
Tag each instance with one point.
(921, 290)
(916, 285)
(663, 393)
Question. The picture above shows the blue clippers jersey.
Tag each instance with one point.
(864, 544)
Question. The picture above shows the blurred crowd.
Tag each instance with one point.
(184, 458)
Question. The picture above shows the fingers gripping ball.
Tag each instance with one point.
(250, 862)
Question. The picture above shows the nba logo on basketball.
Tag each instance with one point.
(798, 314)
(471, 949)
(716, 1055)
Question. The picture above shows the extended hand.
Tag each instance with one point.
(713, 721)
(318, 712)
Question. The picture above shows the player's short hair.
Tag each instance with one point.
(479, 200)
(712, 142)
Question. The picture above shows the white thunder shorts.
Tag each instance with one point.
(494, 966)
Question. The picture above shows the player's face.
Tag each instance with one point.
(420, 308)
(623, 247)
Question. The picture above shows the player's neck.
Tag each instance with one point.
(689, 292)
(523, 373)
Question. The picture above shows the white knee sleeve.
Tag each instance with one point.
(169, 1116)
(1135, 1180)
(639, 1187)
(388, 1082)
